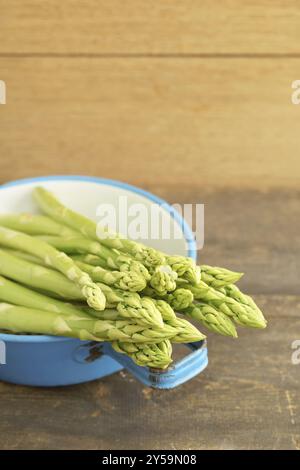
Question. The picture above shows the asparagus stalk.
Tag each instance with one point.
(128, 304)
(19, 319)
(146, 314)
(242, 314)
(14, 293)
(92, 260)
(25, 256)
(24, 320)
(130, 307)
(55, 209)
(185, 268)
(158, 356)
(129, 280)
(121, 280)
(213, 319)
(38, 277)
(36, 225)
(184, 328)
(185, 331)
(166, 311)
(53, 258)
(149, 355)
(179, 299)
(111, 258)
(115, 296)
(218, 277)
(234, 292)
(163, 280)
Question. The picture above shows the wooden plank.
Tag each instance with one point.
(134, 27)
(252, 231)
(248, 398)
(193, 122)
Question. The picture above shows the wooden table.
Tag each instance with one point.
(191, 100)
(247, 398)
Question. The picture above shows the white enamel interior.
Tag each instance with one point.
(85, 197)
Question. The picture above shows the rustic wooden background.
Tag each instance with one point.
(191, 100)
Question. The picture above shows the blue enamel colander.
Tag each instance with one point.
(49, 361)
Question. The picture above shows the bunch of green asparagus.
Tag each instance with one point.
(63, 274)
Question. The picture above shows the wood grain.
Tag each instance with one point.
(251, 231)
(225, 122)
(134, 27)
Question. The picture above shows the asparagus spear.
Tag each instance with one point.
(18, 319)
(25, 256)
(36, 225)
(179, 299)
(38, 277)
(158, 356)
(60, 261)
(166, 311)
(115, 296)
(218, 277)
(147, 313)
(183, 327)
(150, 355)
(129, 280)
(128, 304)
(163, 280)
(182, 331)
(121, 280)
(213, 319)
(111, 258)
(234, 292)
(244, 315)
(185, 268)
(51, 206)
(93, 260)
(24, 320)
(14, 293)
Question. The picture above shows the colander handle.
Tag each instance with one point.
(182, 371)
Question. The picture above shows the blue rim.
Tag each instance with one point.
(189, 237)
